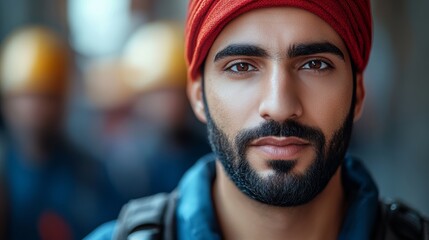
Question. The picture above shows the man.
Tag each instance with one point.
(279, 84)
(51, 189)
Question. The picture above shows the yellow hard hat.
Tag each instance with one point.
(156, 52)
(34, 59)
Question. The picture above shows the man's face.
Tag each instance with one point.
(33, 115)
(278, 100)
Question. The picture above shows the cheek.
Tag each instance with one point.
(233, 105)
(327, 106)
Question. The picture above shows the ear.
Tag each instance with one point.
(195, 95)
(360, 97)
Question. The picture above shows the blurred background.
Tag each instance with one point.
(94, 111)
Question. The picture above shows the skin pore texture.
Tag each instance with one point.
(279, 100)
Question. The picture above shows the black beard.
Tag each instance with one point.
(283, 188)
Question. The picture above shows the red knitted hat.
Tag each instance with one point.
(351, 19)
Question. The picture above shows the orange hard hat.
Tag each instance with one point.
(34, 60)
(156, 53)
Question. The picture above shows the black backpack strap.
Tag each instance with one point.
(397, 221)
(149, 218)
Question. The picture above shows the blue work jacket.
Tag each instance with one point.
(195, 216)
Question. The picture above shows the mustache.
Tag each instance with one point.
(289, 128)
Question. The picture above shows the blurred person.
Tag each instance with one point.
(280, 85)
(154, 53)
(53, 190)
(150, 138)
(117, 143)
(171, 137)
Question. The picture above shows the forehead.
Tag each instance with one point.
(276, 29)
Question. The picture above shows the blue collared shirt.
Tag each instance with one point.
(196, 217)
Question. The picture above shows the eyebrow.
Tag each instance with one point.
(241, 50)
(296, 50)
(314, 48)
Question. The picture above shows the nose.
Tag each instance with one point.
(280, 97)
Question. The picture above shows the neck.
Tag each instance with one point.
(243, 218)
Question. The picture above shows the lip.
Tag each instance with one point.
(280, 148)
(278, 141)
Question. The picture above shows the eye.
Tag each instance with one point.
(241, 67)
(317, 65)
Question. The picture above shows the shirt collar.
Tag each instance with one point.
(362, 196)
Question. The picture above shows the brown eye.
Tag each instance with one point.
(316, 65)
(241, 67)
